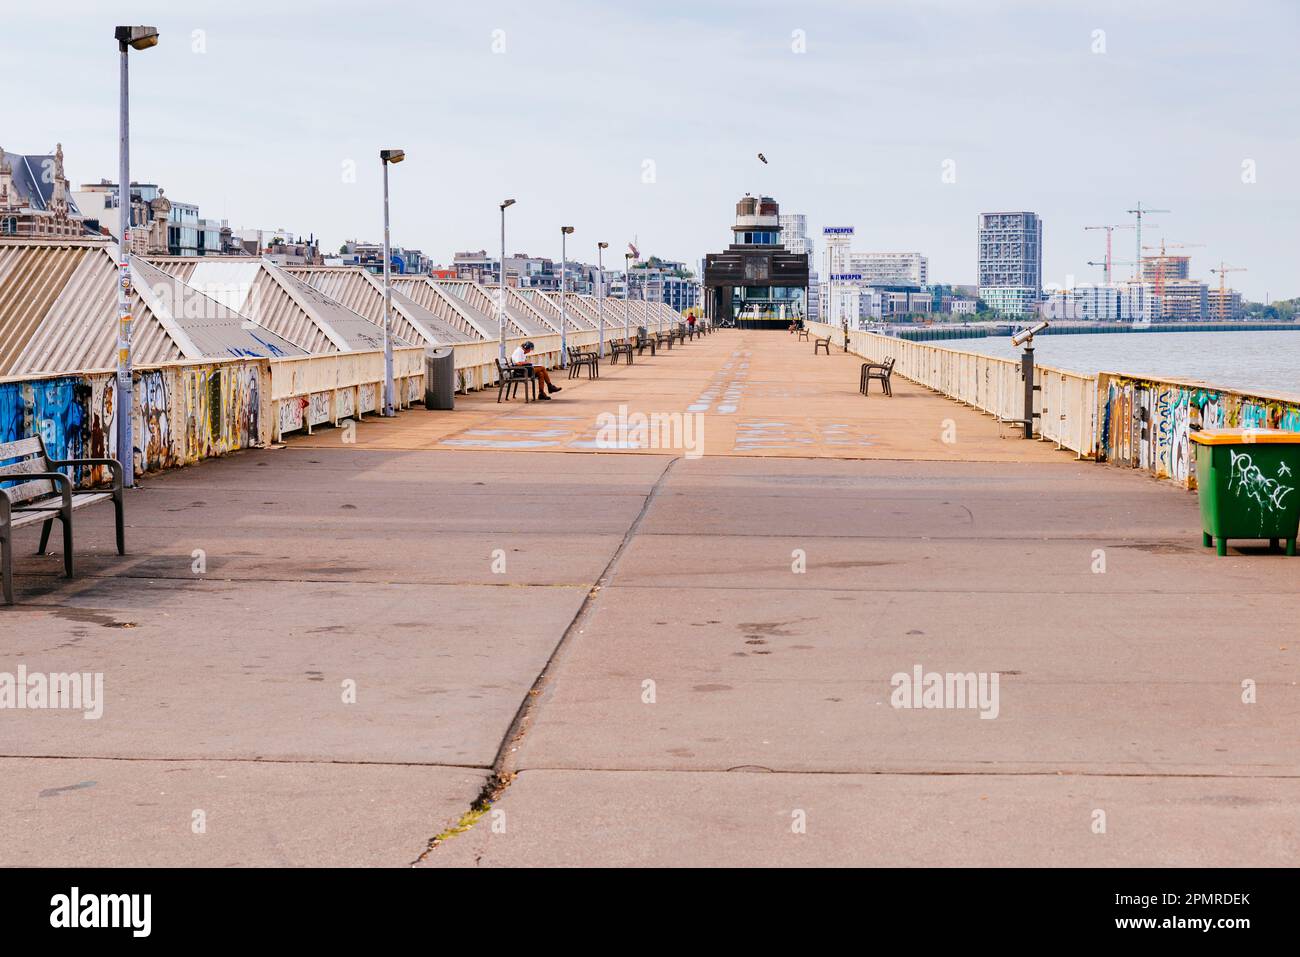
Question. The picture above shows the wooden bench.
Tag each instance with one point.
(509, 378)
(664, 338)
(579, 358)
(620, 347)
(677, 332)
(822, 344)
(802, 334)
(880, 371)
(33, 489)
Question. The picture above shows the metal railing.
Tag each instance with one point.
(1067, 401)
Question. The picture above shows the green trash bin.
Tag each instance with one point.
(1249, 482)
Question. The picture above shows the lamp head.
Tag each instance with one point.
(392, 156)
(566, 229)
(602, 245)
(137, 38)
(507, 203)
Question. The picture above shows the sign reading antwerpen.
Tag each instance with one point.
(837, 230)
(846, 277)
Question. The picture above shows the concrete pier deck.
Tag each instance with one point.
(323, 652)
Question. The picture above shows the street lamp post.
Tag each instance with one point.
(128, 38)
(600, 295)
(627, 296)
(564, 308)
(501, 304)
(388, 157)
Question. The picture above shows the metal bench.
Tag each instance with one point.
(880, 371)
(509, 378)
(645, 341)
(664, 338)
(822, 344)
(33, 489)
(579, 358)
(620, 347)
(678, 332)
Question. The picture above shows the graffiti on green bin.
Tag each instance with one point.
(1247, 479)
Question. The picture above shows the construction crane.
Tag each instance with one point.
(1139, 213)
(1106, 264)
(1110, 229)
(1162, 261)
(1223, 271)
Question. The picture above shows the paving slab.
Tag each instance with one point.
(86, 813)
(747, 819)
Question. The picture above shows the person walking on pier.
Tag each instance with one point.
(520, 358)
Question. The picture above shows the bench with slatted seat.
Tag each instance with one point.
(677, 332)
(645, 341)
(664, 338)
(822, 344)
(620, 347)
(880, 372)
(511, 376)
(34, 489)
(581, 357)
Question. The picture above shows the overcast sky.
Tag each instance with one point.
(571, 107)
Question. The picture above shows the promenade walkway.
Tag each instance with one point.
(326, 652)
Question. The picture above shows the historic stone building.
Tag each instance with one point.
(35, 200)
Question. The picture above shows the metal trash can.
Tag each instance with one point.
(440, 378)
(1249, 484)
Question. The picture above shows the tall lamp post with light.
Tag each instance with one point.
(600, 295)
(128, 39)
(564, 309)
(501, 303)
(627, 296)
(388, 158)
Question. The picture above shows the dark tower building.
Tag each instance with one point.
(756, 282)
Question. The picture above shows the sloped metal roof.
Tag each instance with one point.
(283, 303)
(58, 310)
(202, 327)
(363, 292)
(579, 316)
(482, 303)
(424, 291)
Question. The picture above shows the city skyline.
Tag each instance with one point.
(939, 114)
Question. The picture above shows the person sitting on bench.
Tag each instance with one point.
(520, 358)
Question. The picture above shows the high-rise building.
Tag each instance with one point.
(883, 269)
(1185, 300)
(1227, 307)
(1172, 267)
(1011, 261)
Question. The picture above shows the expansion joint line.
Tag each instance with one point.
(502, 772)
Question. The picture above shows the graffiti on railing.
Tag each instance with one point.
(1148, 424)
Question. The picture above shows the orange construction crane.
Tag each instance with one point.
(1162, 262)
(1223, 270)
(1109, 230)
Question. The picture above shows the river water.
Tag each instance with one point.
(1246, 361)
